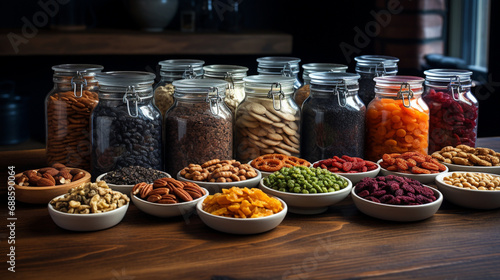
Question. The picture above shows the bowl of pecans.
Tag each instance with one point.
(414, 165)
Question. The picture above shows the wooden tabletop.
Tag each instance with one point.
(343, 243)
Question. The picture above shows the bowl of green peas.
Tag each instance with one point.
(307, 190)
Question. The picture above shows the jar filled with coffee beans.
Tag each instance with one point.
(199, 125)
(371, 66)
(126, 126)
(267, 121)
(172, 70)
(67, 110)
(303, 92)
(333, 117)
(234, 75)
(282, 66)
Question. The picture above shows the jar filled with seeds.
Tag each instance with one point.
(268, 120)
(397, 119)
(67, 111)
(333, 118)
(234, 75)
(126, 126)
(199, 126)
(172, 70)
(453, 108)
(282, 66)
(303, 92)
(371, 66)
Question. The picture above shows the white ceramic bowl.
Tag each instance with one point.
(398, 213)
(264, 173)
(167, 210)
(475, 199)
(217, 186)
(122, 188)
(313, 203)
(356, 177)
(481, 169)
(87, 222)
(422, 178)
(240, 225)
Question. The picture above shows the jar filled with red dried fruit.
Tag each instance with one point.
(67, 110)
(397, 119)
(234, 75)
(303, 92)
(199, 125)
(371, 66)
(282, 66)
(453, 108)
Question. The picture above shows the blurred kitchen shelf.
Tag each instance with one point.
(134, 42)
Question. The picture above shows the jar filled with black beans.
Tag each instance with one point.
(199, 125)
(371, 66)
(333, 117)
(126, 126)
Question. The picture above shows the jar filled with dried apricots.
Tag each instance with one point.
(397, 119)
(67, 114)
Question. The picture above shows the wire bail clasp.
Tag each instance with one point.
(213, 100)
(132, 96)
(287, 70)
(273, 94)
(341, 93)
(382, 72)
(229, 77)
(455, 86)
(78, 79)
(405, 89)
(189, 73)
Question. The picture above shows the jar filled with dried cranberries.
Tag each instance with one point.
(199, 126)
(453, 108)
(397, 119)
(333, 118)
(371, 66)
(280, 65)
(67, 114)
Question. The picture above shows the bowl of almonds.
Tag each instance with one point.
(466, 158)
(39, 186)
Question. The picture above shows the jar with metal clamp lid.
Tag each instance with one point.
(397, 119)
(234, 75)
(126, 126)
(172, 70)
(371, 66)
(282, 66)
(199, 125)
(268, 120)
(453, 108)
(333, 118)
(67, 114)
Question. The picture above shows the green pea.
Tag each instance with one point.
(305, 191)
(297, 190)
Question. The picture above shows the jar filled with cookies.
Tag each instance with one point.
(371, 66)
(282, 66)
(397, 119)
(333, 118)
(234, 75)
(268, 120)
(126, 126)
(303, 92)
(67, 114)
(172, 70)
(453, 108)
(199, 125)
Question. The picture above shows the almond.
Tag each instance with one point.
(65, 173)
(58, 166)
(22, 180)
(48, 177)
(49, 170)
(78, 176)
(44, 182)
(60, 180)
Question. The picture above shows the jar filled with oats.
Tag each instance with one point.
(172, 70)
(303, 92)
(67, 114)
(234, 75)
(282, 66)
(199, 126)
(267, 121)
(371, 66)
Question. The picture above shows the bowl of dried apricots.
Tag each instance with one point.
(269, 163)
(242, 211)
(414, 165)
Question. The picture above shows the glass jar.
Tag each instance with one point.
(172, 70)
(67, 114)
(268, 120)
(397, 119)
(371, 66)
(303, 92)
(199, 126)
(333, 118)
(126, 126)
(233, 74)
(453, 108)
(280, 65)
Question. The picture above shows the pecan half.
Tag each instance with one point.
(182, 194)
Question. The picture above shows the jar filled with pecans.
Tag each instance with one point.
(397, 119)
(371, 66)
(303, 92)
(282, 66)
(199, 125)
(333, 118)
(268, 120)
(172, 70)
(126, 126)
(234, 75)
(67, 114)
